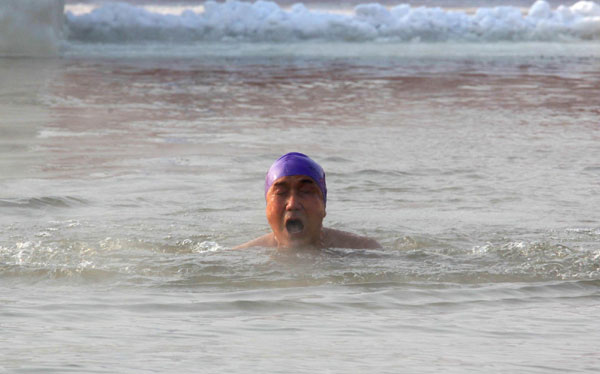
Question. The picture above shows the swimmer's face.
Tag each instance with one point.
(295, 211)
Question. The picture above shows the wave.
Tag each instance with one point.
(265, 21)
(201, 261)
(42, 202)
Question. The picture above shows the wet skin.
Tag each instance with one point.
(295, 211)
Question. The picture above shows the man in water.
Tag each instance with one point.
(296, 195)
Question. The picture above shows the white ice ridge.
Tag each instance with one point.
(266, 21)
(37, 27)
(30, 27)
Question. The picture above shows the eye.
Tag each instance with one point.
(308, 189)
(280, 190)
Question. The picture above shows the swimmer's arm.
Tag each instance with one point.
(267, 240)
(370, 243)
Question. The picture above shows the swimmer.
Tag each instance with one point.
(296, 196)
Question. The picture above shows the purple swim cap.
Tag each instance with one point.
(295, 163)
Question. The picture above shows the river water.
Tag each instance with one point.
(129, 171)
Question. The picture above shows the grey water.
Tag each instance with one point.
(126, 177)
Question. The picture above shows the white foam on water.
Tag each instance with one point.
(267, 21)
(31, 27)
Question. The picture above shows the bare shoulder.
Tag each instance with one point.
(342, 239)
(267, 240)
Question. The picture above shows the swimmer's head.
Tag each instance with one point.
(295, 163)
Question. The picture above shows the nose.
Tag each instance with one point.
(293, 202)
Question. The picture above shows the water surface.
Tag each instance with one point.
(129, 173)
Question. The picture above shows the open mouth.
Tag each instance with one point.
(294, 226)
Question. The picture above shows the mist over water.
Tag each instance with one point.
(31, 27)
(133, 160)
